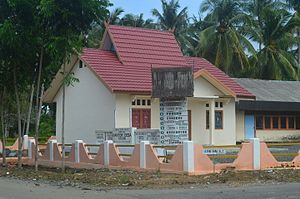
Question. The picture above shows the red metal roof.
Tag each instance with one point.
(139, 50)
(200, 63)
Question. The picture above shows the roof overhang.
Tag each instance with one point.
(249, 105)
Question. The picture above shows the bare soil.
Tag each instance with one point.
(116, 178)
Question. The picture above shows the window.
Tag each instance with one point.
(207, 119)
(218, 119)
(80, 64)
(149, 102)
(275, 123)
(298, 122)
(141, 118)
(207, 105)
(217, 104)
(141, 102)
(221, 104)
(259, 122)
(291, 122)
(267, 122)
(283, 122)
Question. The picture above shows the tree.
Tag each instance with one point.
(136, 21)
(172, 19)
(275, 60)
(222, 42)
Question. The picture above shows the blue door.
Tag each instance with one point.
(249, 126)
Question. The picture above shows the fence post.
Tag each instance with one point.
(25, 142)
(106, 151)
(51, 149)
(30, 149)
(188, 156)
(133, 134)
(256, 152)
(77, 151)
(143, 154)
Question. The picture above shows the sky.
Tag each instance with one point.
(145, 6)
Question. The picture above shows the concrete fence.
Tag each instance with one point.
(188, 157)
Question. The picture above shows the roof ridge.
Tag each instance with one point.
(140, 28)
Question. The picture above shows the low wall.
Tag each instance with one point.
(188, 158)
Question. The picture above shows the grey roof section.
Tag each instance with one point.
(272, 90)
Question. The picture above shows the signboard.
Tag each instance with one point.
(151, 135)
(214, 151)
(173, 83)
(118, 135)
(173, 122)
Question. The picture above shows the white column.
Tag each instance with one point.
(211, 121)
(77, 151)
(133, 130)
(51, 149)
(30, 149)
(143, 153)
(256, 152)
(106, 151)
(25, 142)
(188, 156)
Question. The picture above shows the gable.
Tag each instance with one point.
(203, 87)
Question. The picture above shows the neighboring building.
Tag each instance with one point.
(275, 115)
(115, 90)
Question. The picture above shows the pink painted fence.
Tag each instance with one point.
(188, 158)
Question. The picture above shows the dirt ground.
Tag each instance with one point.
(110, 179)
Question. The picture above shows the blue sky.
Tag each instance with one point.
(145, 6)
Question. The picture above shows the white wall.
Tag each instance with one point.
(277, 135)
(200, 134)
(203, 88)
(89, 106)
(123, 105)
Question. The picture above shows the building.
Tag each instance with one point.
(115, 90)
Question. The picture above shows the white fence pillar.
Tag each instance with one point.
(106, 152)
(143, 153)
(77, 151)
(30, 149)
(188, 156)
(256, 152)
(51, 149)
(25, 142)
(133, 140)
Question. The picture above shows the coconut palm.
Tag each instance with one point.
(275, 60)
(136, 21)
(221, 42)
(172, 19)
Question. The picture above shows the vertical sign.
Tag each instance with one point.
(173, 121)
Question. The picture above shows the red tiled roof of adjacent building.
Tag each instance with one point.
(137, 51)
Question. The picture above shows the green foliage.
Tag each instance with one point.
(47, 126)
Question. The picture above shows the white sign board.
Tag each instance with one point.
(151, 135)
(118, 135)
(214, 151)
(173, 122)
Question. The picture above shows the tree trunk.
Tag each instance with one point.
(3, 128)
(29, 110)
(63, 120)
(37, 109)
(19, 119)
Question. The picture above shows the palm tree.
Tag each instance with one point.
(172, 19)
(275, 60)
(221, 42)
(114, 16)
(137, 21)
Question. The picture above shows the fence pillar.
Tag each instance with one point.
(133, 132)
(77, 150)
(30, 149)
(25, 142)
(143, 154)
(106, 151)
(188, 156)
(256, 152)
(51, 149)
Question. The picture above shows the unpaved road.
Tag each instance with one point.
(17, 189)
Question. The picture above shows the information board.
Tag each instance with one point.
(173, 122)
(118, 135)
(151, 135)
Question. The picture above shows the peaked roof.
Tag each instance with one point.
(139, 46)
(202, 64)
(137, 51)
(272, 90)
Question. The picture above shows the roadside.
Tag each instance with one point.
(129, 179)
(17, 189)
